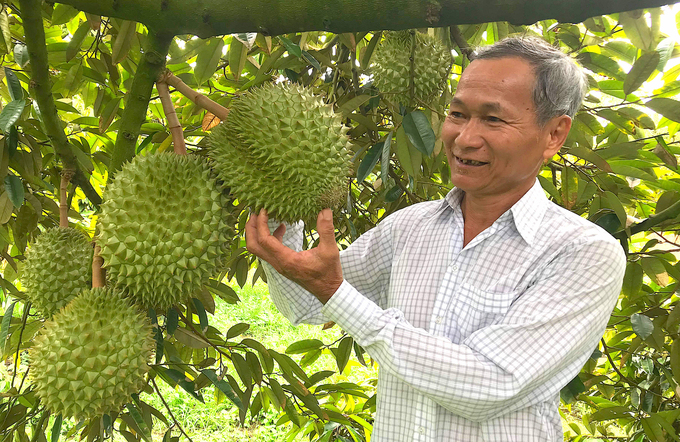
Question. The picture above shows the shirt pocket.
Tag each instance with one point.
(474, 308)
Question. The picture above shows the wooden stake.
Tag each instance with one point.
(173, 121)
(98, 273)
(66, 176)
(199, 99)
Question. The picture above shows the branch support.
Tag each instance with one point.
(171, 115)
(197, 98)
(66, 176)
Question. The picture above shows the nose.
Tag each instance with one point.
(470, 134)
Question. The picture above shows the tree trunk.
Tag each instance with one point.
(206, 18)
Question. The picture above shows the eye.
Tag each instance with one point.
(456, 114)
(493, 119)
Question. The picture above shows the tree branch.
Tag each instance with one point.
(460, 41)
(206, 18)
(137, 100)
(197, 98)
(171, 116)
(41, 89)
(671, 212)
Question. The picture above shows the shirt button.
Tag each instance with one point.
(438, 319)
(421, 430)
(454, 267)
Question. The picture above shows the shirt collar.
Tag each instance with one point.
(527, 213)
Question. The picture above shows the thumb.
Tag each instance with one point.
(324, 225)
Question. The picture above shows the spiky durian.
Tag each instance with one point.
(163, 228)
(92, 355)
(392, 67)
(57, 267)
(282, 149)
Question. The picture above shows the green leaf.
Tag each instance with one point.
(6, 321)
(614, 203)
(640, 72)
(77, 40)
(255, 367)
(10, 114)
(237, 329)
(267, 360)
(292, 48)
(15, 190)
(667, 107)
(589, 155)
(609, 413)
(654, 268)
(202, 315)
(571, 391)
(642, 325)
(343, 353)
(393, 194)
(385, 159)
(21, 54)
(632, 280)
(368, 52)
(675, 360)
(601, 64)
(303, 346)
(56, 428)
(223, 386)
(5, 34)
(16, 92)
(662, 151)
(172, 320)
(348, 107)
(6, 208)
(620, 121)
(238, 53)
(190, 339)
(121, 46)
(313, 61)
(419, 131)
(108, 114)
(222, 290)
(242, 369)
(409, 157)
(63, 13)
(369, 161)
(635, 26)
(139, 420)
(207, 59)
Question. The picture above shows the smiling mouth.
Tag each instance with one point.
(470, 162)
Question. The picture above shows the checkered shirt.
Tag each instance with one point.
(473, 343)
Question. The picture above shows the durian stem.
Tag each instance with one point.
(66, 176)
(38, 428)
(460, 41)
(173, 121)
(158, 392)
(199, 99)
(98, 273)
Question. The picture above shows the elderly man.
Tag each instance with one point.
(479, 307)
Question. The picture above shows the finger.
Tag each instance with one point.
(279, 232)
(324, 225)
(263, 223)
(252, 235)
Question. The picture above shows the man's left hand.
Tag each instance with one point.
(317, 270)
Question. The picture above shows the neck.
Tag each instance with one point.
(481, 211)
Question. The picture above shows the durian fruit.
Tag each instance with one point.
(283, 149)
(58, 266)
(163, 228)
(92, 355)
(392, 67)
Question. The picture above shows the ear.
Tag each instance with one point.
(556, 131)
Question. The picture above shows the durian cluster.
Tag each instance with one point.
(164, 227)
(283, 149)
(92, 355)
(392, 67)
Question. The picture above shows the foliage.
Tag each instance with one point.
(618, 169)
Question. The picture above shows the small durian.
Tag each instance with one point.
(92, 355)
(391, 67)
(58, 266)
(283, 149)
(163, 228)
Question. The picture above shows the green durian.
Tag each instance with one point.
(92, 355)
(58, 266)
(391, 67)
(164, 227)
(283, 149)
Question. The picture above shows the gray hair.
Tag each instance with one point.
(560, 84)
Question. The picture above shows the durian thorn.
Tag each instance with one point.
(199, 99)
(98, 273)
(66, 176)
(171, 116)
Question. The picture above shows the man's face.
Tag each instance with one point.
(493, 142)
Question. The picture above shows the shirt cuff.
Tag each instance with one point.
(352, 311)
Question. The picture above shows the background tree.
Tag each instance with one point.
(80, 95)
